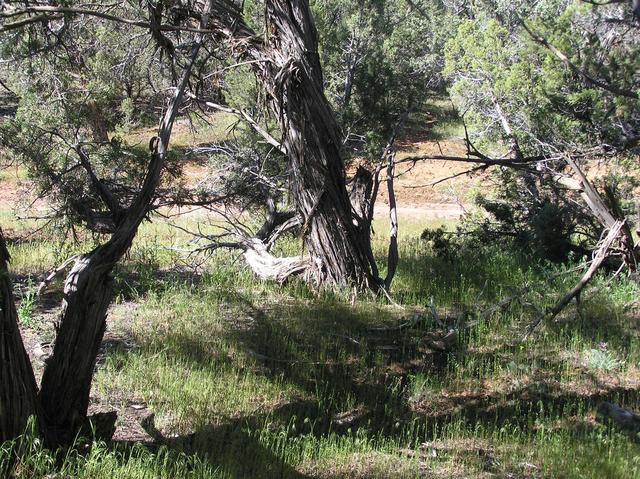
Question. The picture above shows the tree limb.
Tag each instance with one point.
(243, 114)
(48, 13)
(578, 71)
(600, 256)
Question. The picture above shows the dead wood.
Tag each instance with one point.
(392, 256)
(269, 267)
(600, 255)
(607, 214)
(44, 284)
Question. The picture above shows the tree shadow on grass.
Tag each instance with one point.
(356, 372)
(353, 374)
(234, 448)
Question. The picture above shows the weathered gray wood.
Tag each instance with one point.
(607, 215)
(17, 382)
(269, 267)
(66, 381)
(392, 256)
(599, 257)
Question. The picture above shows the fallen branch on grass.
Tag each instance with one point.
(601, 254)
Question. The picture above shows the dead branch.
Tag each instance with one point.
(470, 171)
(608, 215)
(472, 157)
(49, 13)
(392, 256)
(599, 257)
(55, 273)
(269, 267)
(256, 247)
(389, 149)
(288, 225)
(244, 115)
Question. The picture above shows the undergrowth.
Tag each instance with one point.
(242, 378)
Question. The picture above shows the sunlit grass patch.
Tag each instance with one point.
(26, 458)
(214, 128)
(316, 356)
(253, 379)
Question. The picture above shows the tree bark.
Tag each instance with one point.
(66, 382)
(17, 382)
(67, 378)
(340, 252)
(287, 66)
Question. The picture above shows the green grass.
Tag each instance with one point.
(186, 134)
(27, 458)
(250, 379)
(448, 125)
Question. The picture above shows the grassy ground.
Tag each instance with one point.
(217, 375)
(231, 377)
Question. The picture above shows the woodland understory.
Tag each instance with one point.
(225, 248)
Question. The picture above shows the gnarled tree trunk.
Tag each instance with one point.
(17, 382)
(66, 382)
(340, 251)
(288, 68)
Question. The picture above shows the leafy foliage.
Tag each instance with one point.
(516, 92)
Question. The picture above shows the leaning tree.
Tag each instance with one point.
(18, 393)
(44, 35)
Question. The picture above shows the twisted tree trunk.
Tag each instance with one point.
(290, 73)
(287, 66)
(66, 382)
(17, 382)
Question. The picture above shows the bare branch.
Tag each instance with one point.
(243, 114)
(600, 255)
(392, 256)
(49, 13)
